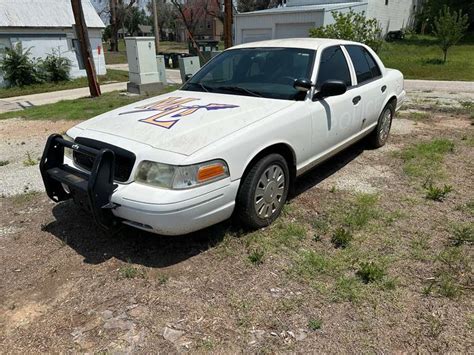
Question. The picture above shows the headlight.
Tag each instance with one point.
(68, 151)
(181, 177)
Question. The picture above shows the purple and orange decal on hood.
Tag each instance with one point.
(166, 113)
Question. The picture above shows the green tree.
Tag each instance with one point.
(449, 27)
(135, 17)
(352, 26)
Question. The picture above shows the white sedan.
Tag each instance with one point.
(232, 140)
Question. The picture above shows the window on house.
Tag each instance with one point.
(333, 66)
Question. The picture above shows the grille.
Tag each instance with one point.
(124, 159)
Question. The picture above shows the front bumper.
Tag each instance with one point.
(162, 211)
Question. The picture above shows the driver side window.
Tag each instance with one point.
(333, 66)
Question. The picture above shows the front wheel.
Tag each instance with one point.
(263, 191)
(379, 136)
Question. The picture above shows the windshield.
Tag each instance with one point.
(261, 72)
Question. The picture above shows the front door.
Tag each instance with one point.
(336, 118)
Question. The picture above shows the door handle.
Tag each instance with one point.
(356, 100)
(383, 88)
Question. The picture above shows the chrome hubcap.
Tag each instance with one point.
(385, 126)
(269, 192)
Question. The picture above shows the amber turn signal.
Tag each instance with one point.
(210, 172)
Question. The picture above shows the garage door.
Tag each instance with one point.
(293, 30)
(255, 35)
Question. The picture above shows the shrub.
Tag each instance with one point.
(341, 238)
(56, 68)
(370, 272)
(352, 26)
(315, 324)
(18, 68)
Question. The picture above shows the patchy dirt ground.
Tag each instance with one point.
(361, 261)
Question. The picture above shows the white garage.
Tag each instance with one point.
(296, 17)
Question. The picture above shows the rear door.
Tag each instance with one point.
(369, 89)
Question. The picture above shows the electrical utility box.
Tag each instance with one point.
(143, 70)
(188, 66)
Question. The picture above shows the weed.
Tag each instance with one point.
(130, 272)
(341, 238)
(462, 234)
(256, 256)
(29, 161)
(362, 211)
(420, 116)
(436, 193)
(311, 264)
(425, 159)
(321, 227)
(315, 324)
(4, 162)
(370, 272)
(163, 279)
(347, 289)
(333, 189)
(289, 234)
(419, 246)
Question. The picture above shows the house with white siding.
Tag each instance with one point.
(48, 25)
(296, 17)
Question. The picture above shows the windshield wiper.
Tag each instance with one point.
(205, 87)
(239, 89)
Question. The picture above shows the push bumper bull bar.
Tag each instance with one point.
(92, 191)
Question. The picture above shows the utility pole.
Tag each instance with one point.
(156, 26)
(228, 23)
(86, 52)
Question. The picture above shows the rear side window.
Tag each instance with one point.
(365, 66)
(333, 66)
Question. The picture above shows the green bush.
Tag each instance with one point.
(18, 69)
(351, 26)
(56, 68)
(449, 27)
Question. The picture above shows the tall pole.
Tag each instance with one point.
(86, 52)
(227, 23)
(156, 26)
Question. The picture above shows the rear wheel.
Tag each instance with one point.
(379, 136)
(263, 191)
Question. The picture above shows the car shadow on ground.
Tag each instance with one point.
(76, 228)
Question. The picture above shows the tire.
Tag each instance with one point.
(380, 134)
(258, 205)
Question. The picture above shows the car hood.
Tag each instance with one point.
(184, 121)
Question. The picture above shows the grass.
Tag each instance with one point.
(4, 162)
(341, 238)
(79, 109)
(256, 256)
(130, 272)
(111, 76)
(425, 159)
(29, 161)
(315, 324)
(361, 211)
(462, 234)
(419, 57)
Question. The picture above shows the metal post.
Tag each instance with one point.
(86, 52)
(156, 26)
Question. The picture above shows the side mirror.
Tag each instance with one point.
(303, 85)
(331, 88)
(187, 77)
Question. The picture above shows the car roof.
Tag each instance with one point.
(307, 43)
